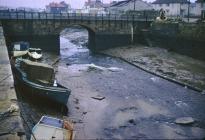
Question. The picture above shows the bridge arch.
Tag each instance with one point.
(91, 33)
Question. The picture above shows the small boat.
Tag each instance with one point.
(35, 53)
(36, 79)
(20, 49)
(52, 128)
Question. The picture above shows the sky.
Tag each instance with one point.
(42, 3)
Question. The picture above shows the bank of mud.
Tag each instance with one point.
(186, 70)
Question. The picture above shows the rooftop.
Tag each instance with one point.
(169, 1)
(59, 5)
(121, 3)
(200, 1)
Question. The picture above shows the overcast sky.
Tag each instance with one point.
(42, 3)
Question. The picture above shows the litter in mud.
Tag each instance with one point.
(184, 120)
(98, 97)
(180, 104)
(93, 67)
(155, 79)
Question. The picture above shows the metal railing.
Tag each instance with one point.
(140, 16)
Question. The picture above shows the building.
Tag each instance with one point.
(54, 7)
(128, 5)
(94, 7)
(200, 7)
(93, 4)
(172, 7)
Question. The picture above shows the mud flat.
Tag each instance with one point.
(112, 99)
(11, 123)
(177, 67)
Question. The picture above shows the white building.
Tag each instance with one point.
(94, 7)
(127, 5)
(200, 6)
(172, 7)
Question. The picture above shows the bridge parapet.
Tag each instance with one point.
(138, 16)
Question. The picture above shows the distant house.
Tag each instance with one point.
(54, 7)
(93, 4)
(200, 7)
(94, 7)
(172, 7)
(127, 5)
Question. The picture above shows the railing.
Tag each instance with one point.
(141, 16)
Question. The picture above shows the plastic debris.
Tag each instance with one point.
(114, 69)
(13, 108)
(98, 97)
(93, 67)
(184, 120)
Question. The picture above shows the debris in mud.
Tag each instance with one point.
(139, 61)
(76, 101)
(114, 69)
(155, 79)
(170, 74)
(184, 120)
(180, 104)
(132, 121)
(77, 121)
(77, 107)
(129, 108)
(93, 67)
(85, 113)
(98, 97)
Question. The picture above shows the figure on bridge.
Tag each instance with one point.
(162, 16)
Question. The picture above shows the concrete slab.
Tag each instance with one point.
(11, 124)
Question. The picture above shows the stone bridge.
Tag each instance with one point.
(43, 29)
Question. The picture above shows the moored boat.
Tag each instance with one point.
(37, 80)
(19, 49)
(52, 128)
(35, 53)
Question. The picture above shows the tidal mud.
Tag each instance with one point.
(135, 104)
(163, 62)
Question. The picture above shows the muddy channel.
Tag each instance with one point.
(113, 99)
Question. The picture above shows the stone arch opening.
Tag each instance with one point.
(79, 35)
